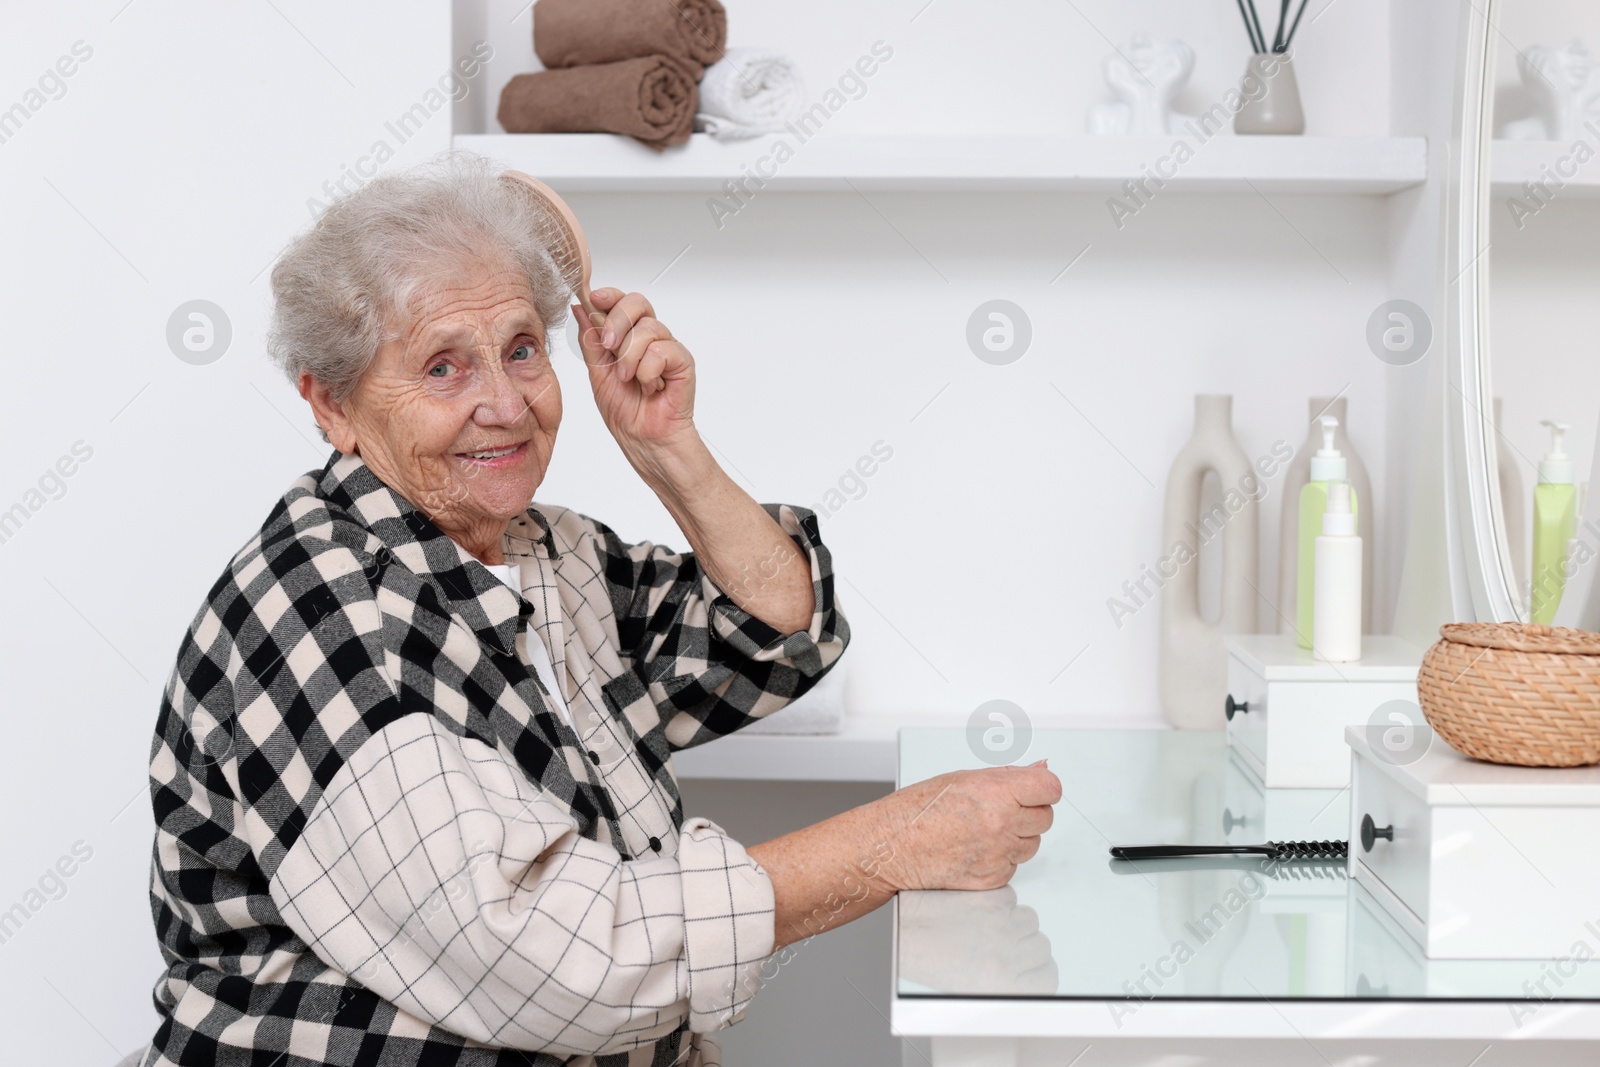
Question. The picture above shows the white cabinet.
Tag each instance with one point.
(1477, 860)
(1287, 711)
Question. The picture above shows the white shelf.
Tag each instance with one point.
(1512, 163)
(863, 752)
(597, 162)
(866, 750)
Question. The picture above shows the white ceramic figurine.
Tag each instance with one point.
(1145, 77)
(1562, 85)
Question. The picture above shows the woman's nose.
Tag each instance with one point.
(500, 403)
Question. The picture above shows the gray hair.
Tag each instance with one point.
(346, 285)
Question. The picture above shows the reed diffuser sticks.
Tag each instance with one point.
(1286, 27)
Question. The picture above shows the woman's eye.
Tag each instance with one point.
(440, 370)
(525, 352)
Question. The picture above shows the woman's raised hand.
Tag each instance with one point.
(967, 829)
(642, 377)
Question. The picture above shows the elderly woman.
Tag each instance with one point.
(413, 772)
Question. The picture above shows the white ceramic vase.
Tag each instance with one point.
(1294, 479)
(1193, 668)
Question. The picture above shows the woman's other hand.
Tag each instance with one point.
(967, 829)
(642, 377)
(964, 830)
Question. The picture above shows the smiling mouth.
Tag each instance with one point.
(488, 454)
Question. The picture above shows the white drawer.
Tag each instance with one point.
(1400, 862)
(1247, 719)
(1483, 862)
(1305, 745)
(1289, 711)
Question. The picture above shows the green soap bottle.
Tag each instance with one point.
(1327, 465)
(1555, 517)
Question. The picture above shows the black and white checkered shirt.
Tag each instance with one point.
(377, 842)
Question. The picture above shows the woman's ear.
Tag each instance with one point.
(330, 415)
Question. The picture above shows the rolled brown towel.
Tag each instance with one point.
(652, 99)
(570, 33)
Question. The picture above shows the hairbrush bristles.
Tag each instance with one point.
(562, 236)
(1308, 850)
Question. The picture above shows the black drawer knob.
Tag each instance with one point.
(1231, 707)
(1371, 833)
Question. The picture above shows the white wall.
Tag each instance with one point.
(978, 562)
(174, 167)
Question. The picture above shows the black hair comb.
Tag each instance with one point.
(1277, 850)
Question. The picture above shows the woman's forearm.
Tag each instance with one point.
(962, 830)
(827, 874)
(741, 548)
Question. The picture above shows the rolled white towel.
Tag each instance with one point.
(748, 92)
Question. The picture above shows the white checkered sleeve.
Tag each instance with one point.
(438, 875)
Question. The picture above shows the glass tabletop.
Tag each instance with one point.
(1075, 923)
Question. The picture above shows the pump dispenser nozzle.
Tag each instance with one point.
(1339, 520)
(1556, 466)
(1328, 465)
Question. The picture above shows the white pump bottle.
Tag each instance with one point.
(1336, 611)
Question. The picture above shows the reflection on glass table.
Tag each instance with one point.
(1214, 928)
(981, 941)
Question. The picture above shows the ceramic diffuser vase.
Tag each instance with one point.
(1271, 95)
(1193, 666)
(1274, 106)
(1294, 479)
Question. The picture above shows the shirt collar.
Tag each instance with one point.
(490, 607)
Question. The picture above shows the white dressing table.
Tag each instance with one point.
(1185, 952)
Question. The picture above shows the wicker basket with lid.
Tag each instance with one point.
(1514, 692)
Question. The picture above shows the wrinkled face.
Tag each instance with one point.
(459, 414)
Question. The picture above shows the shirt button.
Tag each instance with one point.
(655, 844)
(594, 757)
